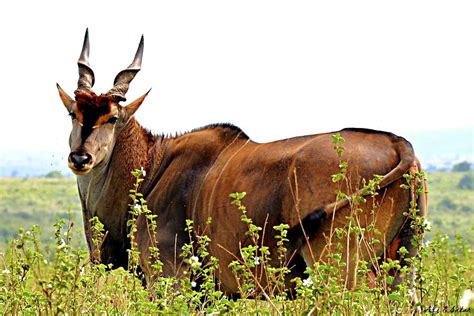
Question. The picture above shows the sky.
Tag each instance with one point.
(277, 69)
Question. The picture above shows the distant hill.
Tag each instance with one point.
(437, 149)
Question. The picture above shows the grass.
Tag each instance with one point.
(46, 269)
(40, 201)
(451, 209)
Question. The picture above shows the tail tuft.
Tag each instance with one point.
(308, 226)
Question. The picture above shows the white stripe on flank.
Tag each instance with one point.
(211, 199)
(207, 173)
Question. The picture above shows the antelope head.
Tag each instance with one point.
(98, 119)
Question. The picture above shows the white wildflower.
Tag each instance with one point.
(81, 271)
(427, 225)
(193, 284)
(194, 262)
(62, 244)
(256, 261)
(466, 299)
(307, 282)
(137, 207)
(143, 171)
(6, 271)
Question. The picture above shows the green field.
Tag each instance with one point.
(38, 201)
(46, 269)
(451, 209)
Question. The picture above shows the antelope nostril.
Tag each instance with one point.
(80, 159)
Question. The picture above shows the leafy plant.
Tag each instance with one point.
(59, 277)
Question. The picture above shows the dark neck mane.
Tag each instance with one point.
(137, 147)
(231, 128)
(133, 146)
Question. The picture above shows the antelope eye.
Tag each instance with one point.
(112, 120)
(72, 115)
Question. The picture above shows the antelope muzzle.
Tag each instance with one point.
(80, 162)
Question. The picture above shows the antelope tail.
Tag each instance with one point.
(408, 162)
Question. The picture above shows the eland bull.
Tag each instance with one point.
(190, 177)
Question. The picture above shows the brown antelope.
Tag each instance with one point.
(190, 177)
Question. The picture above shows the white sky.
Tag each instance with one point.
(275, 68)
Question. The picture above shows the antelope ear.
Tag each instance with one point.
(67, 100)
(133, 107)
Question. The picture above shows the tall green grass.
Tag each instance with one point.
(61, 277)
(48, 270)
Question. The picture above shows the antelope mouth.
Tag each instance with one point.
(80, 171)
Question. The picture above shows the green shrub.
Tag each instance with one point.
(462, 166)
(467, 182)
(55, 174)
